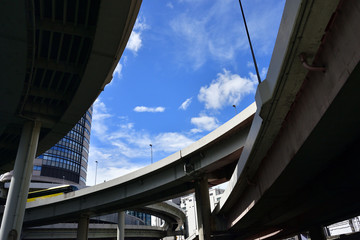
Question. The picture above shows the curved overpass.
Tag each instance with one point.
(174, 217)
(299, 168)
(213, 156)
(96, 231)
(58, 58)
(302, 141)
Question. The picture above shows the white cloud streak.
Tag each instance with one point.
(100, 114)
(149, 109)
(170, 5)
(185, 104)
(226, 89)
(117, 71)
(199, 39)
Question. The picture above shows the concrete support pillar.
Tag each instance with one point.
(351, 223)
(121, 226)
(19, 186)
(83, 228)
(203, 208)
(317, 233)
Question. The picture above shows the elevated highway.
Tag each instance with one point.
(291, 160)
(299, 168)
(174, 222)
(96, 231)
(212, 157)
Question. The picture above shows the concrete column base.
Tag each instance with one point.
(121, 226)
(203, 208)
(83, 228)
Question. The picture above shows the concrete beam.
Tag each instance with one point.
(71, 29)
(98, 231)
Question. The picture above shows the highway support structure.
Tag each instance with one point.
(83, 228)
(121, 226)
(203, 208)
(15, 204)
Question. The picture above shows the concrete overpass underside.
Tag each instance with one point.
(309, 175)
(57, 57)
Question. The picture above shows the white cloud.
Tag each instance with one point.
(170, 5)
(110, 165)
(117, 71)
(140, 24)
(193, 38)
(214, 33)
(204, 123)
(149, 109)
(263, 73)
(199, 39)
(226, 89)
(100, 114)
(185, 104)
(135, 41)
(171, 142)
(249, 64)
(120, 148)
(195, 130)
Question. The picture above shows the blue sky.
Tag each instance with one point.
(186, 64)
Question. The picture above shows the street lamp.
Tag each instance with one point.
(151, 153)
(96, 162)
(234, 106)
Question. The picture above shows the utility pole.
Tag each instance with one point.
(251, 48)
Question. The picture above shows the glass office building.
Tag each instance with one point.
(67, 161)
(146, 218)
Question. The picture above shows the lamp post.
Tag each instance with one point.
(234, 106)
(151, 153)
(96, 162)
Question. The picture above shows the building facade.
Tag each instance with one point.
(144, 217)
(66, 162)
(188, 204)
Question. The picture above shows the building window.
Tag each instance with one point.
(37, 168)
(64, 160)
